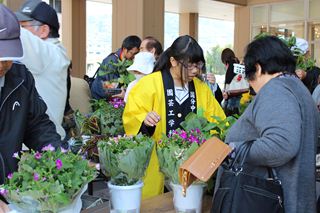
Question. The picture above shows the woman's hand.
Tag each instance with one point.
(211, 78)
(120, 95)
(151, 119)
(4, 208)
(225, 95)
(301, 74)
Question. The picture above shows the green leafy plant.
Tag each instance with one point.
(218, 128)
(120, 68)
(197, 121)
(47, 181)
(221, 126)
(105, 120)
(125, 158)
(303, 62)
(176, 148)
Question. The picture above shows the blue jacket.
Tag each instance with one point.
(23, 118)
(97, 90)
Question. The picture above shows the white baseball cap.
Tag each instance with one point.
(143, 62)
(302, 45)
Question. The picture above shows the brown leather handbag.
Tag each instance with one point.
(204, 162)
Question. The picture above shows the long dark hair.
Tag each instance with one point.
(184, 49)
(229, 58)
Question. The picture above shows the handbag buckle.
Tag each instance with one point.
(274, 180)
(237, 171)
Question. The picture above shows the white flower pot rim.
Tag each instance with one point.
(139, 184)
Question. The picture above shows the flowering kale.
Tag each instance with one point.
(125, 158)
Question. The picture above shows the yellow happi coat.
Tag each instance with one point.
(148, 95)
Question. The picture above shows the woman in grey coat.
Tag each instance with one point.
(283, 122)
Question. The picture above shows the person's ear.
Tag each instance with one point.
(153, 51)
(44, 31)
(173, 62)
(258, 70)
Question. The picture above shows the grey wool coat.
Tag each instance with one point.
(283, 122)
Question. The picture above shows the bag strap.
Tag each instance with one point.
(96, 73)
(241, 156)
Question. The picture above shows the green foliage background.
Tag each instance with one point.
(213, 60)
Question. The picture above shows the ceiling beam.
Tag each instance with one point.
(236, 2)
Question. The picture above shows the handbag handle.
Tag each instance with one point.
(242, 155)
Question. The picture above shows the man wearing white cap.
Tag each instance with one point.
(23, 117)
(310, 76)
(142, 65)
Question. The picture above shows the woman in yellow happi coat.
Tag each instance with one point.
(159, 102)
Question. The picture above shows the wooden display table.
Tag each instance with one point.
(161, 203)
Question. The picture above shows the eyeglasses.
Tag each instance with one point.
(190, 66)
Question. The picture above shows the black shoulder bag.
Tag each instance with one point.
(90, 80)
(240, 192)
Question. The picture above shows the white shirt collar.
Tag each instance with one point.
(1, 82)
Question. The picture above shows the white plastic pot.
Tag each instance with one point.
(126, 198)
(192, 202)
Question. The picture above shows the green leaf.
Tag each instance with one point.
(125, 159)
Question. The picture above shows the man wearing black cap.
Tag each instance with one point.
(23, 117)
(45, 57)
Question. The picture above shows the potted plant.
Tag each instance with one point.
(48, 181)
(111, 87)
(105, 121)
(125, 159)
(173, 150)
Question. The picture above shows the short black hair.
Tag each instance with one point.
(154, 43)
(271, 54)
(131, 42)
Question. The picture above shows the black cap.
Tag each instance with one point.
(39, 11)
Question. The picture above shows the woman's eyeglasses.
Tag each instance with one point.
(190, 66)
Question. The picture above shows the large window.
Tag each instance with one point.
(99, 33)
(215, 35)
(171, 28)
(298, 18)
